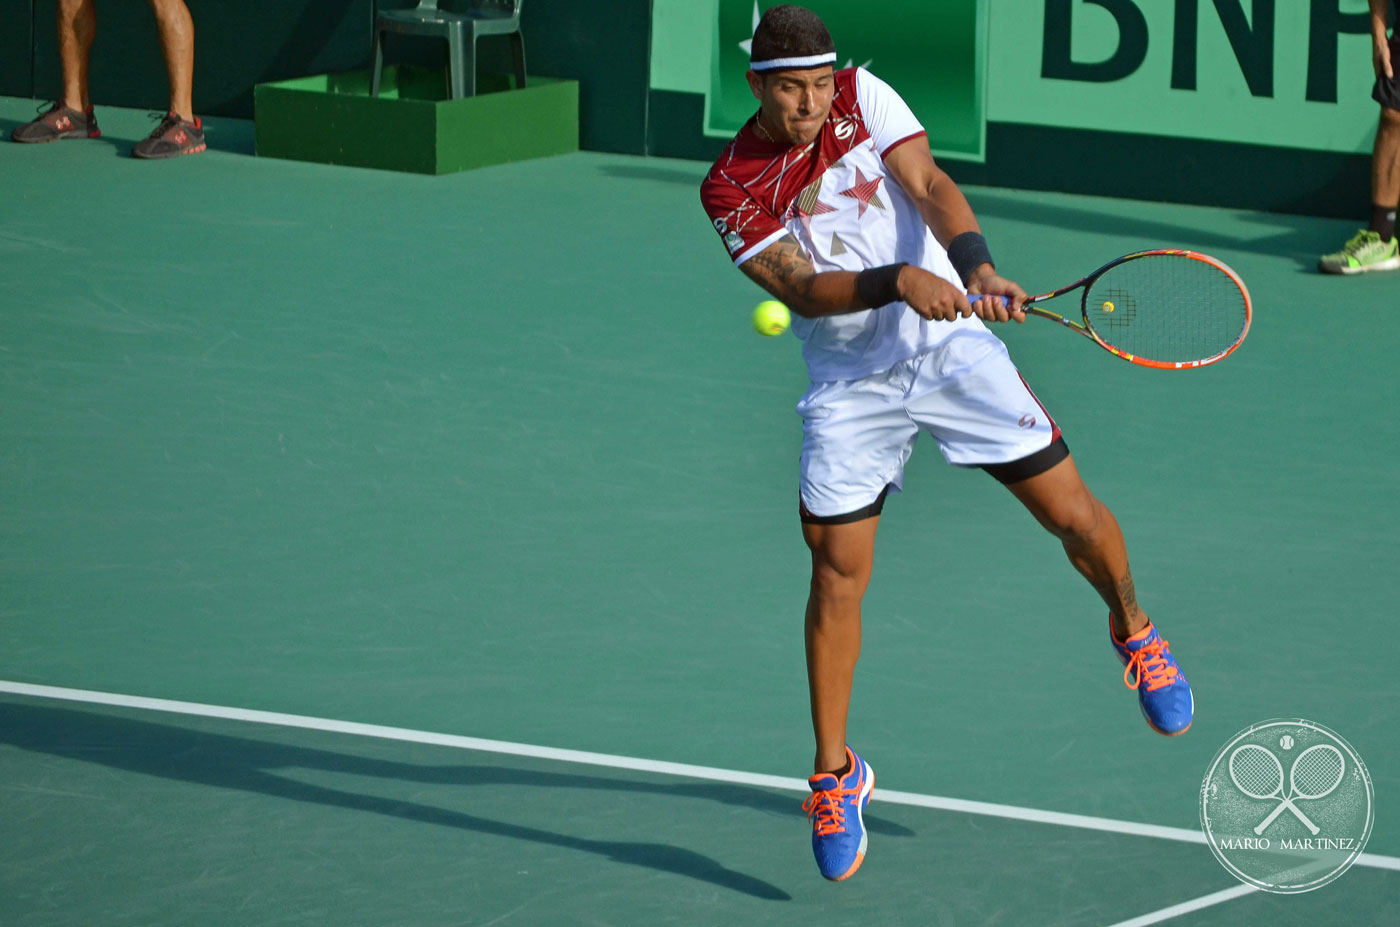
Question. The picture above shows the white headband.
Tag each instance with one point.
(811, 61)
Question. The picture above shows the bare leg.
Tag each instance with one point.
(1385, 163)
(1091, 537)
(176, 29)
(77, 27)
(842, 557)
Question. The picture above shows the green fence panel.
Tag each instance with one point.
(16, 48)
(605, 47)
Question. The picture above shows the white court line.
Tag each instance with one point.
(611, 761)
(1186, 907)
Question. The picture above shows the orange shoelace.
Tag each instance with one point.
(826, 811)
(1147, 664)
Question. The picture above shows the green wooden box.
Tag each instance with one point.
(332, 119)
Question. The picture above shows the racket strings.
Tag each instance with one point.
(1119, 309)
(1167, 307)
(1317, 774)
(1255, 774)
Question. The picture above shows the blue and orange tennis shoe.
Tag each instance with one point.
(1163, 692)
(836, 808)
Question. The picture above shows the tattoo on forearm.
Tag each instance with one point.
(783, 269)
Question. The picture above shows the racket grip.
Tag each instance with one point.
(973, 297)
(1259, 828)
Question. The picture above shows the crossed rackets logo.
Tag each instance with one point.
(1316, 773)
(1327, 791)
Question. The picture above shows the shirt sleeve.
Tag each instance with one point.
(888, 119)
(744, 228)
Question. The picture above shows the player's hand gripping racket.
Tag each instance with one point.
(1166, 308)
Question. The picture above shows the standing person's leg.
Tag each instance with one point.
(180, 132)
(1385, 174)
(77, 27)
(1093, 541)
(176, 28)
(1375, 247)
(71, 115)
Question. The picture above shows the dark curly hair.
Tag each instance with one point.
(789, 31)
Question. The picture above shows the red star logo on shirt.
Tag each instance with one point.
(808, 205)
(864, 192)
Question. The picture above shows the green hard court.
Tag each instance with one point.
(496, 455)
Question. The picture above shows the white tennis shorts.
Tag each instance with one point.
(965, 392)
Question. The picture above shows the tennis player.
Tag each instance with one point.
(829, 199)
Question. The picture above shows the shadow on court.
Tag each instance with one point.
(687, 178)
(178, 753)
(1299, 238)
(233, 136)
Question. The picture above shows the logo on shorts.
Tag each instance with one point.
(721, 226)
(1286, 806)
(733, 242)
(1027, 421)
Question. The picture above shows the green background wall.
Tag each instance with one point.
(1251, 103)
(605, 46)
(935, 57)
(238, 45)
(16, 48)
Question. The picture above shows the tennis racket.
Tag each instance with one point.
(1167, 309)
(1316, 773)
(1257, 773)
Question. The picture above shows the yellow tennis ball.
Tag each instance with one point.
(1108, 307)
(771, 317)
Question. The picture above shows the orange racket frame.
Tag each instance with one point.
(1086, 328)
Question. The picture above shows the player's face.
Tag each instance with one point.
(793, 105)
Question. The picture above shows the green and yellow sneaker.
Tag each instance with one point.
(1364, 252)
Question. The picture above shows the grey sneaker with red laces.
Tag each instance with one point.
(172, 138)
(56, 123)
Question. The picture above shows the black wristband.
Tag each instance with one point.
(878, 286)
(967, 252)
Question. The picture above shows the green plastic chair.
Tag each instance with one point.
(461, 30)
